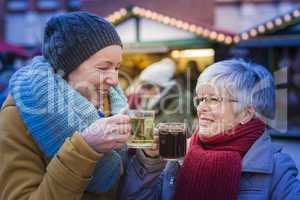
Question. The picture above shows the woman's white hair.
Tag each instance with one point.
(249, 83)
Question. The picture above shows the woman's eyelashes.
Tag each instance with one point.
(108, 68)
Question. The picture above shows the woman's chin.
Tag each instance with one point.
(206, 131)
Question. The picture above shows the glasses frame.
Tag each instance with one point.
(208, 99)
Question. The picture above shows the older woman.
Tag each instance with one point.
(230, 155)
(58, 138)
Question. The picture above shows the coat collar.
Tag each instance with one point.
(259, 158)
(8, 102)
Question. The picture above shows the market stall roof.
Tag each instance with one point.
(201, 31)
(282, 30)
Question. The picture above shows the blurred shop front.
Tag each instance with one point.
(276, 44)
(149, 36)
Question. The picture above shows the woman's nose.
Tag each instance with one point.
(203, 107)
(112, 79)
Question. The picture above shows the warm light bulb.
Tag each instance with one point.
(261, 29)
(228, 40)
(213, 35)
(245, 36)
(253, 32)
(236, 39)
(221, 37)
(123, 11)
(199, 30)
(270, 25)
(287, 18)
(136, 10)
(296, 13)
(278, 21)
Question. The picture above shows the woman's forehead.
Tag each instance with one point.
(210, 89)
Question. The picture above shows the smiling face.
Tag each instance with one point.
(97, 74)
(233, 92)
(215, 110)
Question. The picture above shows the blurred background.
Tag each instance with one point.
(192, 33)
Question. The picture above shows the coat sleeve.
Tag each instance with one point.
(25, 173)
(143, 178)
(285, 185)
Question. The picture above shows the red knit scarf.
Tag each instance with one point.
(212, 167)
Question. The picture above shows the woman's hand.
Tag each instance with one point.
(153, 152)
(108, 133)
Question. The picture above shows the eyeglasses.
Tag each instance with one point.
(211, 100)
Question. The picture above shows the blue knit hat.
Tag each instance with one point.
(71, 38)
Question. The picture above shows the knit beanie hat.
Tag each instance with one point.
(159, 73)
(71, 38)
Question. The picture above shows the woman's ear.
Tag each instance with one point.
(246, 115)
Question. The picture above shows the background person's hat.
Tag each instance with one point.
(159, 73)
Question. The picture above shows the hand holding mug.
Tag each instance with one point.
(108, 133)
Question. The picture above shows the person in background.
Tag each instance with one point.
(187, 81)
(157, 90)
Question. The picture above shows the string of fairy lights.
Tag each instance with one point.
(205, 32)
(268, 26)
(198, 30)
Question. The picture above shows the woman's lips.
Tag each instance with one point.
(204, 120)
(103, 91)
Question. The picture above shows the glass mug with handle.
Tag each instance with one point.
(172, 140)
(142, 128)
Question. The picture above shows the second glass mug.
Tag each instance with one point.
(172, 136)
(172, 140)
